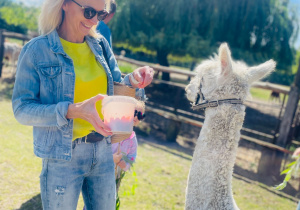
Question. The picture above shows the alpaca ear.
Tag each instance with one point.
(225, 59)
(258, 72)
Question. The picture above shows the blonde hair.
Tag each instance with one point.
(51, 17)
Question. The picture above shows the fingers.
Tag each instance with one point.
(138, 75)
(149, 72)
(100, 127)
(122, 164)
(117, 157)
(98, 97)
(144, 76)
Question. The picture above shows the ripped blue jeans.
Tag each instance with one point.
(91, 171)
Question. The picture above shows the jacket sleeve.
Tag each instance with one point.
(114, 68)
(116, 73)
(27, 106)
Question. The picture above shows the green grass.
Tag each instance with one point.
(126, 67)
(161, 170)
(262, 94)
(12, 40)
(135, 49)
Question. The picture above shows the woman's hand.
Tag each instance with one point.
(86, 110)
(141, 77)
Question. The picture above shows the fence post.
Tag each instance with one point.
(286, 123)
(289, 114)
(2, 37)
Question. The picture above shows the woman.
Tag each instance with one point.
(60, 78)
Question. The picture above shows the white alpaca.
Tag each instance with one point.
(209, 183)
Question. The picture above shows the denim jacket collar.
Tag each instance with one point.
(55, 44)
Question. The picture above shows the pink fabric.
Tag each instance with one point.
(127, 146)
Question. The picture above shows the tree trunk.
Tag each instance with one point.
(290, 110)
(163, 61)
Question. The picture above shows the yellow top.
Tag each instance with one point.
(90, 80)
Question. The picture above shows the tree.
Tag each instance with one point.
(17, 17)
(152, 24)
(255, 30)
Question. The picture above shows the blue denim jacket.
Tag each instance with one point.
(44, 88)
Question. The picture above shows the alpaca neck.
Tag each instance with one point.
(226, 119)
(209, 185)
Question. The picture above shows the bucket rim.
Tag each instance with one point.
(117, 98)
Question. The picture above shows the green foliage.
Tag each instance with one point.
(18, 17)
(5, 3)
(291, 169)
(296, 64)
(256, 30)
(126, 67)
(149, 24)
(120, 178)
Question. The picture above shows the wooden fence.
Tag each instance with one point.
(5, 34)
(173, 110)
(273, 158)
(174, 114)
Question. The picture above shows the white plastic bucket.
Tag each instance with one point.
(118, 113)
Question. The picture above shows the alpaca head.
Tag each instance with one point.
(222, 78)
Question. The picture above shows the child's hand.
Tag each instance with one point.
(122, 164)
(117, 157)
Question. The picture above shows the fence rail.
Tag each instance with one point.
(174, 114)
(5, 34)
(276, 88)
(158, 68)
(17, 36)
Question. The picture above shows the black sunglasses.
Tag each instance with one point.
(139, 115)
(90, 12)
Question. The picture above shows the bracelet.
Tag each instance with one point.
(133, 80)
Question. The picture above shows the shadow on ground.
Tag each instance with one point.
(35, 203)
(6, 91)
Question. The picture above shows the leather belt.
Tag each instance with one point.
(92, 138)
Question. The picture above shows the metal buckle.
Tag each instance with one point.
(208, 103)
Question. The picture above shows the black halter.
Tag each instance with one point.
(200, 95)
(196, 105)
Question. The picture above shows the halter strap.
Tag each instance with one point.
(216, 103)
(200, 95)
